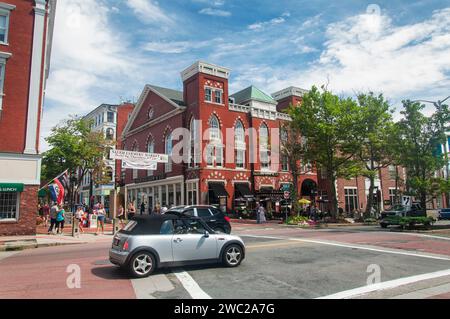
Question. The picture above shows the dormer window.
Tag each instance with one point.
(208, 95)
(218, 96)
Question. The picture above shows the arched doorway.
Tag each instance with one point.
(309, 188)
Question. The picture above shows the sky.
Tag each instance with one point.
(105, 51)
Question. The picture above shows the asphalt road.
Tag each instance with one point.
(281, 263)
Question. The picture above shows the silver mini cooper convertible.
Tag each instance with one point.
(156, 241)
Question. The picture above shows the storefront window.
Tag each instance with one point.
(164, 198)
(351, 200)
(9, 205)
(171, 195)
(178, 194)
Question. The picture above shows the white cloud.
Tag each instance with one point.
(215, 12)
(370, 52)
(261, 25)
(149, 12)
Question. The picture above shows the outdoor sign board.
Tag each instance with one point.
(140, 164)
(406, 200)
(11, 188)
(138, 156)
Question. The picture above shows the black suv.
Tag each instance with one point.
(215, 219)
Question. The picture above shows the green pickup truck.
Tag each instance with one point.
(401, 215)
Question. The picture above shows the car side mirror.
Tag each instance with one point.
(206, 234)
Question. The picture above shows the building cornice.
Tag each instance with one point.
(206, 68)
(7, 6)
(290, 91)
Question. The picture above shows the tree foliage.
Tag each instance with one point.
(74, 147)
(418, 139)
(331, 138)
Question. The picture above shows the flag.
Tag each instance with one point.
(54, 192)
(58, 188)
(64, 179)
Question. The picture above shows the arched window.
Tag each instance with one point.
(151, 113)
(193, 160)
(150, 149)
(264, 136)
(214, 129)
(168, 147)
(264, 146)
(239, 138)
(214, 152)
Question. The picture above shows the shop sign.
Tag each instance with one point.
(11, 188)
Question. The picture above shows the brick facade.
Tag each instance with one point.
(25, 59)
(26, 225)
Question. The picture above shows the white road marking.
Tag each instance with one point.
(386, 285)
(190, 285)
(6, 254)
(145, 288)
(354, 246)
(425, 293)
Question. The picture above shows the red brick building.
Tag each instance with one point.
(26, 29)
(225, 163)
(229, 154)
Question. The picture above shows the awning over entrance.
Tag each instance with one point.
(243, 190)
(11, 188)
(218, 189)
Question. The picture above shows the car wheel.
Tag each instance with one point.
(383, 225)
(232, 256)
(142, 264)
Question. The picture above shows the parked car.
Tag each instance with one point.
(444, 213)
(150, 242)
(215, 218)
(415, 210)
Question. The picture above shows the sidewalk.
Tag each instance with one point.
(12, 243)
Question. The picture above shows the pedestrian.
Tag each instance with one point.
(164, 210)
(101, 213)
(157, 210)
(46, 212)
(121, 216)
(53, 214)
(262, 215)
(60, 218)
(258, 217)
(131, 210)
(79, 215)
(142, 208)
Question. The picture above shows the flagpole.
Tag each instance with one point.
(66, 171)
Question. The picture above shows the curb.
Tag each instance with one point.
(20, 247)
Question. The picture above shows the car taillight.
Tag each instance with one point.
(227, 218)
(125, 245)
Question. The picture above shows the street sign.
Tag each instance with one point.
(287, 195)
(136, 156)
(406, 200)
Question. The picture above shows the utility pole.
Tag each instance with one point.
(438, 105)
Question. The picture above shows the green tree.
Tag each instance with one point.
(376, 127)
(331, 138)
(293, 148)
(74, 147)
(419, 137)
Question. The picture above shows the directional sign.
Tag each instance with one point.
(136, 156)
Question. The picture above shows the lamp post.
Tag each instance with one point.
(438, 105)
